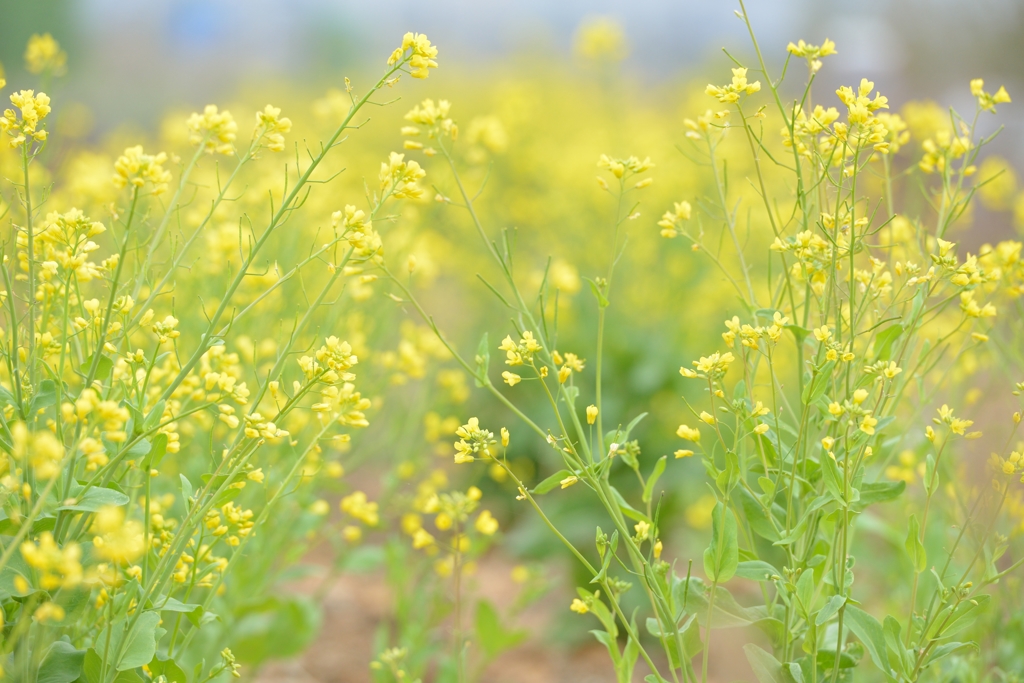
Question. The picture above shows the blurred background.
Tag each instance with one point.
(136, 69)
(132, 60)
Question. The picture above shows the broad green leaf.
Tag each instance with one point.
(805, 592)
(884, 341)
(659, 468)
(829, 610)
(45, 396)
(131, 644)
(168, 668)
(765, 666)
(832, 476)
(880, 492)
(915, 549)
(722, 556)
(894, 645)
(756, 570)
(628, 509)
(551, 482)
(62, 663)
(815, 389)
(491, 635)
(186, 491)
(95, 498)
(869, 631)
(103, 368)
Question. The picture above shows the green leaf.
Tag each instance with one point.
(829, 610)
(551, 482)
(96, 498)
(628, 509)
(833, 478)
(91, 670)
(894, 644)
(884, 341)
(492, 636)
(915, 549)
(815, 389)
(62, 663)
(756, 516)
(186, 490)
(880, 492)
(659, 468)
(45, 396)
(805, 592)
(765, 666)
(869, 631)
(602, 301)
(947, 649)
(274, 628)
(130, 646)
(756, 570)
(722, 557)
(103, 369)
(963, 616)
(168, 668)
(157, 451)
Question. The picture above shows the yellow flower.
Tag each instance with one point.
(761, 428)
(578, 606)
(859, 396)
(511, 378)
(688, 433)
(472, 441)
(270, 128)
(601, 39)
(401, 176)
(867, 424)
(214, 130)
(139, 169)
(730, 93)
(822, 334)
(358, 506)
(707, 417)
(421, 538)
(418, 52)
(683, 453)
(43, 53)
(986, 101)
(57, 567)
(34, 109)
(569, 481)
(486, 523)
(118, 540)
(591, 414)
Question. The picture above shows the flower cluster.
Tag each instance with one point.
(730, 92)
(270, 128)
(43, 53)
(473, 441)
(33, 109)
(138, 169)
(670, 220)
(418, 52)
(812, 53)
(988, 101)
(214, 130)
(400, 177)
